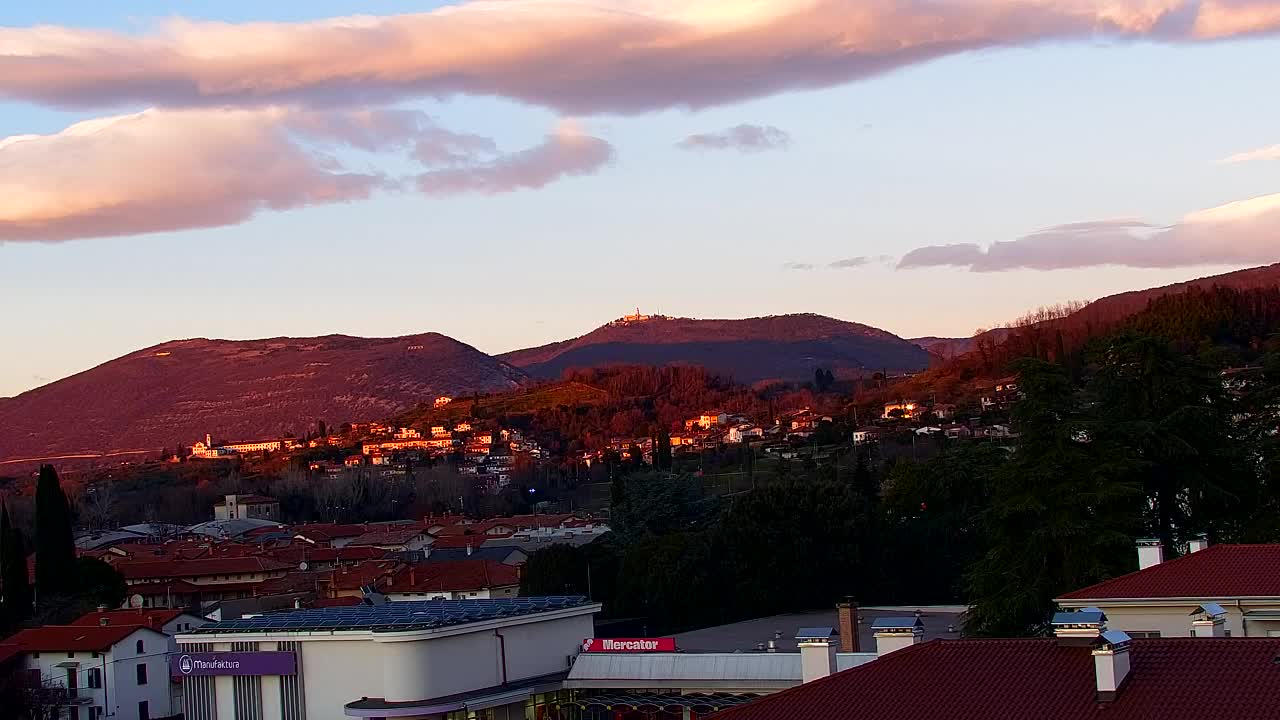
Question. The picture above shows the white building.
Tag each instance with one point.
(236, 507)
(742, 433)
(1159, 600)
(431, 660)
(101, 671)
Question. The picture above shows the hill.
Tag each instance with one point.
(177, 391)
(787, 347)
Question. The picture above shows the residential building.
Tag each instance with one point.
(400, 538)
(743, 433)
(183, 583)
(207, 449)
(1084, 672)
(238, 507)
(864, 435)
(100, 671)
(943, 411)
(405, 433)
(443, 400)
(712, 418)
(167, 622)
(902, 410)
(1243, 581)
(437, 659)
(469, 579)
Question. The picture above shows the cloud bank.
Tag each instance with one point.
(745, 138)
(644, 54)
(1238, 233)
(165, 170)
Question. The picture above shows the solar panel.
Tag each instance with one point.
(395, 616)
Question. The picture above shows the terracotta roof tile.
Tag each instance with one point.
(154, 618)
(72, 638)
(453, 576)
(1169, 679)
(201, 567)
(1218, 571)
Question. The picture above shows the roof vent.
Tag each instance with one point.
(1111, 664)
(896, 633)
(1209, 620)
(1082, 627)
(1150, 552)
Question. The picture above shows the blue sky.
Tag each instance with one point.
(973, 148)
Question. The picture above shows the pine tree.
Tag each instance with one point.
(55, 546)
(13, 572)
(662, 451)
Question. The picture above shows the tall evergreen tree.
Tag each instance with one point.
(13, 572)
(55, 546)
(662, 451)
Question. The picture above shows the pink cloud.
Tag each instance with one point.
(1238, 233)
(163, 170)
(566, 152)
(166, 170)
(623, 56)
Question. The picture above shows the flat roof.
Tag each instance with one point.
(746, 635)
(394, 616)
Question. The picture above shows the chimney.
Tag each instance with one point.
(817, 653)
(773, 646)
(413, 576)
(1197, 543)
(896, 633)
(102, 608)
(1082, 627)
(847, 613)
(1209, 620)
(1150, 553)
(1111, 664)
(469, 549)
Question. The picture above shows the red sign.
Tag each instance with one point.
(628, 645)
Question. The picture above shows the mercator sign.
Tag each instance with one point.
(628, 645)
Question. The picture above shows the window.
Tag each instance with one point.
(95, 713)
(144, 710)
(35, 655)
(142, 673)
(93, 654)
(73, 713)
(93, 678)
(139, 647)
(71, 654)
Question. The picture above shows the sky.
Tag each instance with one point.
(514, 172)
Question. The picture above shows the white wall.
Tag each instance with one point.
(335, 672)
(1174, 620)
(120, 693)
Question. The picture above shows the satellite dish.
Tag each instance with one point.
(135, 601)
(303, 565)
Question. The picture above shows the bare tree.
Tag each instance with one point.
(98, 506)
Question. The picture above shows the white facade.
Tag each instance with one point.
(1172, 617)
(339, 667)
(502, 591)
(108, 684)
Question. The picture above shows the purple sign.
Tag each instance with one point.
(233, 663)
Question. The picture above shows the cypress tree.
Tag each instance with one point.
(13, 572)
(55, 546)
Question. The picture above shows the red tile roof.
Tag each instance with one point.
(324, 532)
(390, 536)
(9, 651)
(73, 638)
(1218, 571)
(202, 567)
(154, 618)
(1169, 679)
(453, 576)
(376, 572)
(299, 552)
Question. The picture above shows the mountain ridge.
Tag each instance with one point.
(785, 347)
(175, 391)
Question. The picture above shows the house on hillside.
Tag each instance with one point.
(865, 435)
(237, 507)
(901, 410)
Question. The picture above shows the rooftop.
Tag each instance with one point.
(1169, 678)
(745, 636)
(154, 618)
(73, 638)
(395, 616)
(1218, 571)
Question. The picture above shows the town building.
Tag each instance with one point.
(1084, 672)
(405, 433)
(99, 671)
(436, 660)
(901, 410)
(743, 433)
(698, 672)
(1240, 581)
(238, 507)
(865, 435)
(207, 449)
(469, 579)
(187, 583)
(442, 401)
